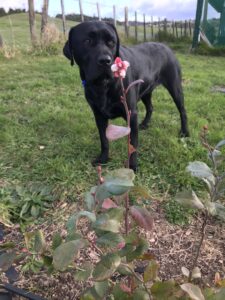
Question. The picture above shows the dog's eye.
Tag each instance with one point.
(87, 42)
(111, 43)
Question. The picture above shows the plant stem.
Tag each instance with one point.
(124, 101)
(199, 245)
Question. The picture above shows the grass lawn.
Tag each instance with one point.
(48, 132)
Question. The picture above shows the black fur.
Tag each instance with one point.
(94, 46)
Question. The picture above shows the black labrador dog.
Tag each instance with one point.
(94, 46)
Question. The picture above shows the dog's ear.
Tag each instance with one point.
(67, 49)
(118, 40)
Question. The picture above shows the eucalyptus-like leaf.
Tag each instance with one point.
(141, 294)
(142, 216)
(201, 170)
(220, 144)
(108, 203)
(72, 222)
(64, 254)
(196, 273)
(110, 239)
(6, 260)
(151, 271)
(84, 272)
(109, 221)
(163, 289)
(115, 132)
(189, 199)
(39, 242)
(89, 199)
(56, 240)
(106, 267)
(193, 291)
(116, 183)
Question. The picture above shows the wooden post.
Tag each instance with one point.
(152, 31)
(190, 29)
(63, 18)
(165, 25)
(159, 24)
(114, 15)
(136, 27)
(98, 11)
(32, 22)
(144, 23)
(126, 22)
(81, 11)
(185, 28)
(44, 17)
(181, 28)
(1, 41)
(173, 28)
(176, 29)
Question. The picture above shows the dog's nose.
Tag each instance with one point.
(104, 60)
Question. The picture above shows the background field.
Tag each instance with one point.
(42, 104)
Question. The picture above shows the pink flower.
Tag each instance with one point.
(119, 67)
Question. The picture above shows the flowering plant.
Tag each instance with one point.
(119, 67)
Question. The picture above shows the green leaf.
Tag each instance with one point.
(65, 253)
(35, 211)
(47, 260)
(39, 242)
(201, 170)
(72, 222)
(142, 216)
(193, 291)
(56, 240)
(6, 260)
(151, 272)
(89, 199)
(141, 294)
(220, 144)
(109, 221)
(140, 248)
(162, 290)
(84, 272)
(125, 269)
(25, 209)
(220, 295)
(117, 182)
(106, 267)
(110, 239)
(119, 294)
(216, 209)
(189, 199)
(101, 288)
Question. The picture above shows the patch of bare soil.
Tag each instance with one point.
(173, 246)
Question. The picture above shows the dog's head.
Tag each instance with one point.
(93, 46)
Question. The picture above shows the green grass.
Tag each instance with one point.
(42, 104)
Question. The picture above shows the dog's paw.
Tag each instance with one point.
(100, 160)
(183, 134)
(143, 126)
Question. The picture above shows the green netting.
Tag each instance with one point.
(217, 5)
(213, 21)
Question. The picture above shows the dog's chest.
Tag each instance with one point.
(108, 103)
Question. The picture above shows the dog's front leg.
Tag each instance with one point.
(102, 124)
(134, 139)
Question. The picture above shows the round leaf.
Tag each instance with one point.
(65, 253)
(106, 267)
(142, 217)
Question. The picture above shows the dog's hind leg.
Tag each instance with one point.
(147, 100)
(173, 85)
